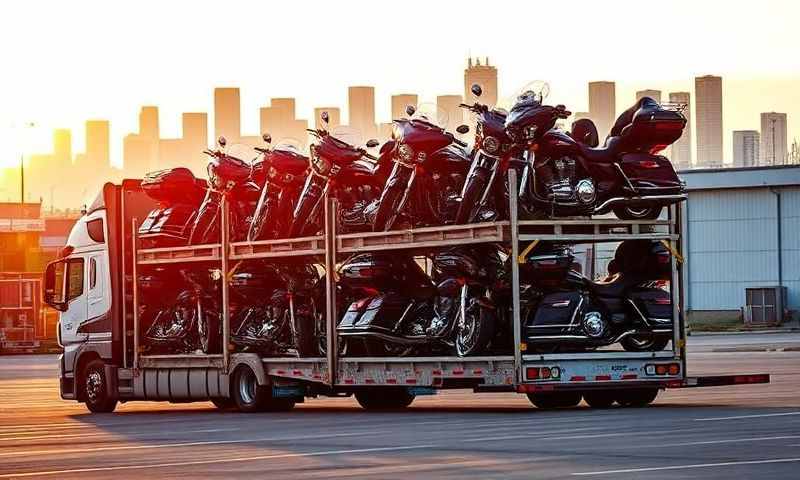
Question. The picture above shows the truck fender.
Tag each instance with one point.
(253, 361)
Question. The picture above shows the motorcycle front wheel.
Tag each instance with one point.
(387, 209)
(475, 332)
(470, 201)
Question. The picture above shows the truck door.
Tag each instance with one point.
(97, 276)
(75, 298)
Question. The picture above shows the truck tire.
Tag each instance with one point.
(223, 403)
(384, 398)
(599, 398)
(545, 400)
(95, 388)
(250, 397)
(637, 397)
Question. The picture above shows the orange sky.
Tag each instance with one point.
(77, 60)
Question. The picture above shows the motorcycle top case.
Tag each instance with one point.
(645, 259)
(654, 126)
(385, 271)
(174, 185)
(653, 174)
(547, 268)
(167, 227)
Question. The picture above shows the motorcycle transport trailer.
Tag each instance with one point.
(104, 362)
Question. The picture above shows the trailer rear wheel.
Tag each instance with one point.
(223, 403)
(638, 397)
(95, 388)
(251, 397)
(545, 400)
(599, 398)
(384, 398)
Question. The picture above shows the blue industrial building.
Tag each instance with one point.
(742, 229)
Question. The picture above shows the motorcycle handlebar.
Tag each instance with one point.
(459, 142)
(371, 157)
(262, 150)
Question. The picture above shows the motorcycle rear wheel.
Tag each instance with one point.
(644, 344)
(208, 329)
(642, 213)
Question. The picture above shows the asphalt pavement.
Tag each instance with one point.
(726, 432)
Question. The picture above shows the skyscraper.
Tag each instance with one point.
(97, 146)
(602, 106)
(400, 102)
(227, 114)
(484, 75)
(708, 103)
(195, 133)
(334, 118)
(681, 150)
(455, 114)
(745, 148)
(361, 111)
(654, 94)
(62, 147)
(774, 140)
(148, 122)
(279, 121)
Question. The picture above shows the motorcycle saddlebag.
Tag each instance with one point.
(554, 313)
(547, 267)
(654, 303)
(651, 174)
(174, 185)
(376, 314)
(167, 227)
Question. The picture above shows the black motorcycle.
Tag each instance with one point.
(407, 311)
(229, 176)
(485, 193)
(569, 177)
(429, 169)
(340, 170)
(273, 309)
(281, 172)
(564, 311)
(179, 195)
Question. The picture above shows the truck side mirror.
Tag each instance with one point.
(54, 284)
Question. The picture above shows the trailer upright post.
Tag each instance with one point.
(226, 317)
(135, 282)
(331, 343)
(515, 308)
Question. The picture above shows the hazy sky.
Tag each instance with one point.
(67, 61)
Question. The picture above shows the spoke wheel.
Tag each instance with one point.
(637, 213)
(475, 330)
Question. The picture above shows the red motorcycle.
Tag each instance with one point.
(570, 175)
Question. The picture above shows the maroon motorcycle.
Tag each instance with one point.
(570, 175)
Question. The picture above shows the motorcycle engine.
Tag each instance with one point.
(560, 179)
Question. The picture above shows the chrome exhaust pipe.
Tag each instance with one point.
(579, 338)
(388, 338)
(605, 206)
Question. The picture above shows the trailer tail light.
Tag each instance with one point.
(663, 369)
(543, 373)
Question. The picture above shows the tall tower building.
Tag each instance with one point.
(227, 114)
(400, 102)
(484, 75)
(97, 145)
(774, 140)
(449, 104)
(195, 133)
(602, 106)
(745, 148)
(148, 123)
(361, 111)
(62, 147)
(654, 94)
(708, 104)
(681, 150)
(279, 121)
(334, 118)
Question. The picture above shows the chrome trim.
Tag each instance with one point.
(389, 338)
(627, 180)
(654, 198)
(584, 338)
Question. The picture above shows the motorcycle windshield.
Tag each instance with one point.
(244, 153)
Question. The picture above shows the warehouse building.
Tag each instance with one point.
(742, 242)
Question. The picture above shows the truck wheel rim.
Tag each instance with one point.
(94, 386)
(247, 387)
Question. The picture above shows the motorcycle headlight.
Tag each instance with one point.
(530, 132)
(272, 172)
(320, 164)
(490, 145)
(405, 153)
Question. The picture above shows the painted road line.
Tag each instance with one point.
(713, 442)
(713, 419)
(571, 437)
(690, 466)
(178, 444)
(143, 466)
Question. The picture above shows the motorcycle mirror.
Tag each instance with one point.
(267, 138)
(462, 129)
(372, 143)
(410, 110)
(325, 117)
(476, 90)
(221, 141)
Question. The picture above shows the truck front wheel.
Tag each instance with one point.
(96, 389)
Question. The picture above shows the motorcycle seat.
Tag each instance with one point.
(608, 153)
(613, 286)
